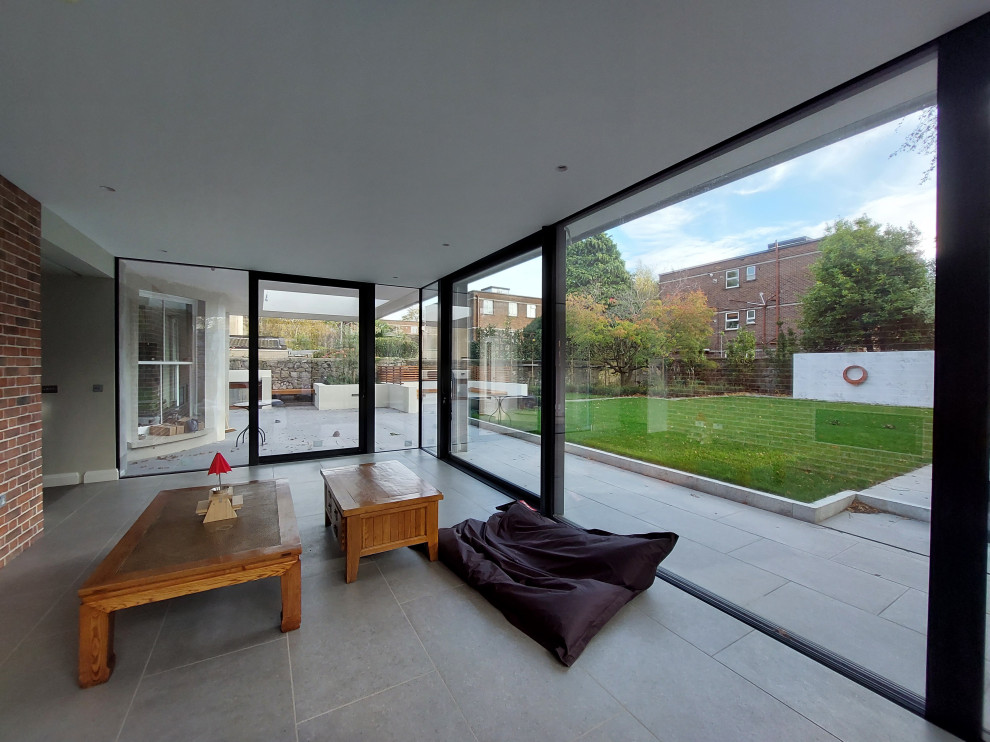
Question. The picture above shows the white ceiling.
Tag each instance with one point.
(352, 139)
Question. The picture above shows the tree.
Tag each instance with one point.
(781, 359)
(923, 139)
(628, 334)
(740, 357)
(868, 292)
(595, 268)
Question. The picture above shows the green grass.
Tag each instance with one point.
(801, 449)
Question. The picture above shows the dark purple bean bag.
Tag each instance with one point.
(558, 584)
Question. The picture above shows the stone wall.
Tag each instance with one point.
(302, 372)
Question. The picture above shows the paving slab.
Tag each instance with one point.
(852, 586)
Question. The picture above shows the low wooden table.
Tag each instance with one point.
(378, 507)
(169, 552)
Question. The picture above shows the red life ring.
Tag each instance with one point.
(858, 381)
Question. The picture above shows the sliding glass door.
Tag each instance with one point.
(307, 346)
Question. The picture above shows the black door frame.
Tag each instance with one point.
(366, 367)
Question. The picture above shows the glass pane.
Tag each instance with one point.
(176, 364)
(496, 370)
(750, 365)
(396, 368)
(429, 313)
(308, 349)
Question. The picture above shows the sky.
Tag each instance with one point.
(800, 197)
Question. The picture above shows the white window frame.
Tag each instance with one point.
(750, 316)
(513, 309)
(750, 272)
(531, 311)
(732, 320)
(732, 279)
(169, 370)
(488, 306)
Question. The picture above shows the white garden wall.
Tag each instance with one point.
(905, 378)
(345, 396)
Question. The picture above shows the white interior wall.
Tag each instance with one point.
(77, 351)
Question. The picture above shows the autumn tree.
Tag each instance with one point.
(870, 290)
(629, 333)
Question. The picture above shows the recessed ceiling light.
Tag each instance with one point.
(561, 168)
(108, 189)
(445, 244)
(160, 250)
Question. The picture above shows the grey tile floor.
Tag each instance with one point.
(409, 653)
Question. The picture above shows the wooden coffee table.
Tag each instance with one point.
(378, 507)
(169, 552)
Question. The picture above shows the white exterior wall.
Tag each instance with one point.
(344, 396)
(905, 378)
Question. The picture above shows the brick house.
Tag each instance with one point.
(744, 290)
(495, 306)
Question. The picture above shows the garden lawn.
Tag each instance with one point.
(801, 449)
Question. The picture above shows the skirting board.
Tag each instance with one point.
(101, 475)
(60, 480)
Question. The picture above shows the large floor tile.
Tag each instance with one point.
(41, 701)
(454, 509)
(239, 697)
(722, 574)
(896, 565)
(680, 693)
(904, 533)
(592, 514)
(217, 622)
(814, 539)
(507, 685)
(419, 709)
(620, 499)
(707, 628)
(910, 610)
(620, 728)
(410, 574)
(712, 533)
(320, 549)
(354, 641)
(852, 586)
(20, 614)
(887, 648)
(848, 710)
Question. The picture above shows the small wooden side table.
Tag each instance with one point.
(378, 507)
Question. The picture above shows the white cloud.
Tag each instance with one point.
(766, 180)
(906, 207)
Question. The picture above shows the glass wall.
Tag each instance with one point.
(180, 330)
(496, 367)
(756, 333)
(397, 342)
(429, 313)
(308, 351)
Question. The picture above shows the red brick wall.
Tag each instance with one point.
(21, 517)
(795, 279)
